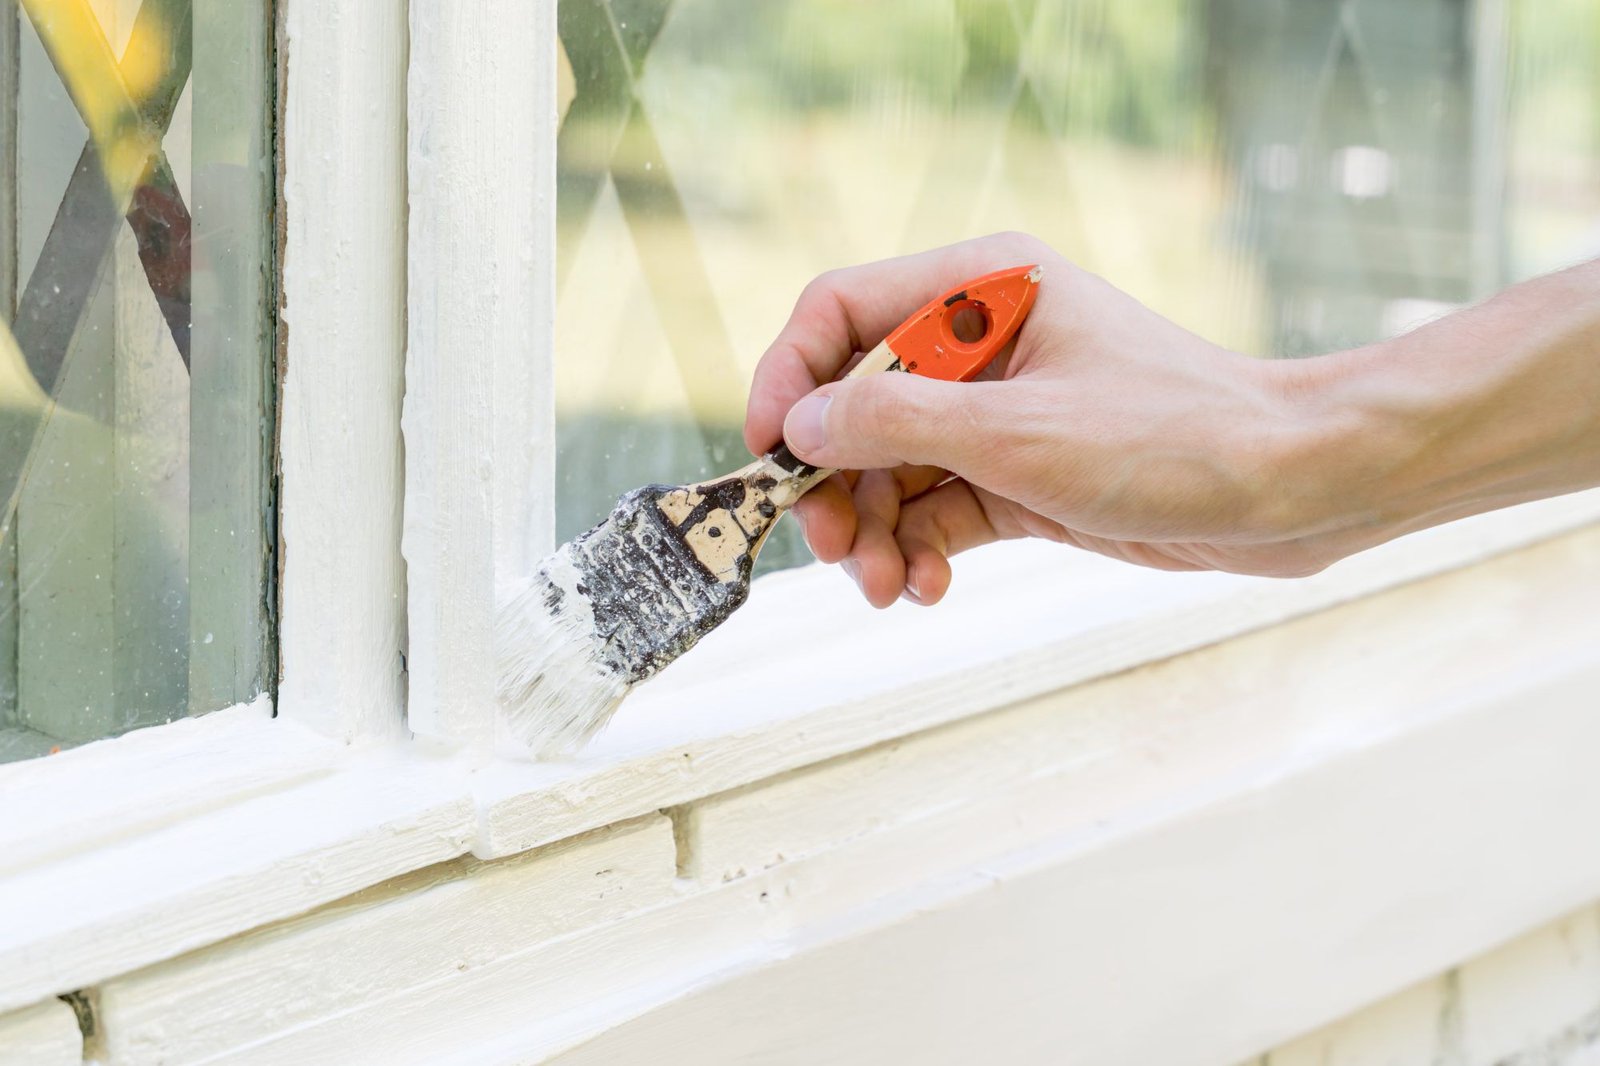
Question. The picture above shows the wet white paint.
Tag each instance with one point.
(45, 1034)
(479, 417)
(342, 631)
(1001, 888)
(555, 687)
(1159, 743)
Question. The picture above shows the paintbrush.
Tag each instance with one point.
(614, 606)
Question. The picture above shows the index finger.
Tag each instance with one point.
(851, 310)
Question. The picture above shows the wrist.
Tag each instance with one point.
(1352, 458)
(1491, 406)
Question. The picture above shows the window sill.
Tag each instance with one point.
(1022, 619)
(145, 846)
(243, 820)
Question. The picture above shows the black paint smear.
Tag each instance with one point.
(791, 462)
(652, 598)
(727, 494)
(605, 455)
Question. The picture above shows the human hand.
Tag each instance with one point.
(1105, 426)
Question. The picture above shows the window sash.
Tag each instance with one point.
(479, 417)
(342, 628)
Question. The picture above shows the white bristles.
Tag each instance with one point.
(556, 689)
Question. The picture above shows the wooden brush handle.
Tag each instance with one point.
(801, 475)
(724, 522)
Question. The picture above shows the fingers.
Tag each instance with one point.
(827, 519)
(827, 514)
(902, 546)
(847, 311)
(928, 575)
(875, 562)
(886, 420)
(945, 522)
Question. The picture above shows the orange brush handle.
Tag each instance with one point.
(926, 343)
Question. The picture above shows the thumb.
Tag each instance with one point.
(886, 420)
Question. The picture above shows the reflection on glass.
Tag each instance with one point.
(1285, 177)
(135, 192)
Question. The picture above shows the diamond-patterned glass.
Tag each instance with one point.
(135, 424)
(1282, 176)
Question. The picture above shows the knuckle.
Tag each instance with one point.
(1017, 242)
(923, 526)
(823, 304)
(825, 287)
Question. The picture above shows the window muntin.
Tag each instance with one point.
(1285, 178)
(137, 295)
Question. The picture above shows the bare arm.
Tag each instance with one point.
(1493, 405)
(1111, 428)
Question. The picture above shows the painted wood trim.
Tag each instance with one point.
(1022, 618)
(479, 423)
(297, 831)
(1255, 836)
(456, 917)
(1534, 1000)
(1200, 938)
(342, 625)
(340, 825)
(323, 821)
(45, 1034)
(77, 800)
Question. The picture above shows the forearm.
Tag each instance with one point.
(1493, 405)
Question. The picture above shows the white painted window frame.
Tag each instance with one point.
(418, 178)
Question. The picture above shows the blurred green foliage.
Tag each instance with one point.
(1127, 71)
(1286, 176)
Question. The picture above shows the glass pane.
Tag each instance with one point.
(1282, 176)
(136, 189)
